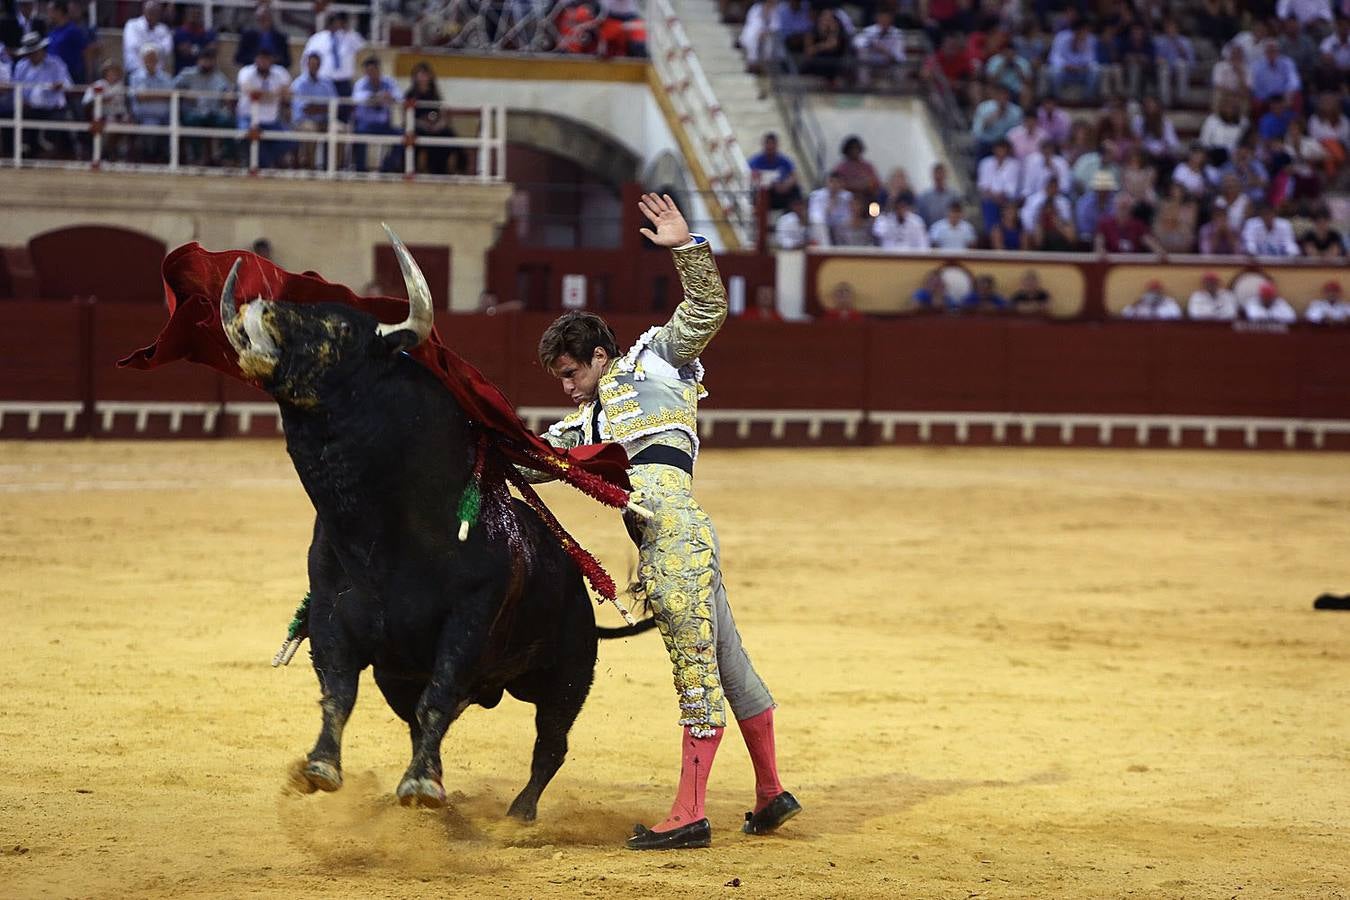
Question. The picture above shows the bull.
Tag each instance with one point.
(384, 452)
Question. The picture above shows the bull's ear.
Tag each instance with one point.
(403, 339)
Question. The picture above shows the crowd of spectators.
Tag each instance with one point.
(1083, 122)
(65, 74)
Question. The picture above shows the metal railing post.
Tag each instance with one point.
(96, 154)
(173, 131)
(254, 136)
(208, 15)
(409, 135)
(501, 143)
(18, 124)
(484, 141)
(332, 145)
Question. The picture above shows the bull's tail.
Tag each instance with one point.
(624, 631)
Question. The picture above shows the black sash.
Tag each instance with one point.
(661, 455)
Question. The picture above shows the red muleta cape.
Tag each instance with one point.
(193, 280)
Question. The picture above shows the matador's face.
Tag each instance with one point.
(580, 381)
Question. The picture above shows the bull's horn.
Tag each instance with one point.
(227, 309)
(420, 314)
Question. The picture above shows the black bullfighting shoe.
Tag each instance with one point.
(779, 810)
(686, 837)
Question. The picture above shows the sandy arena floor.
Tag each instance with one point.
(1002, 673)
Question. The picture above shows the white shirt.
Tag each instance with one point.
(1319, 129)
(875, 46)
(1031, 209)
(1220, 306)
(349, 44)
(1152, 306)
(1215, 132)
(136, 34)
(1001, 179)
(760, 21)
(825, 212)
(1277, 240)
(1036, 171)
(945, 236)
(1236, 211)
(1305, 11)
(893, 234)
(1191, 180)
(271, 87)
(1278, 311)
(1328, 311)
(1337, 49)
(790, 231)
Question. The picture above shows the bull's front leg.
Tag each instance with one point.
(445, 697)
(323, 766)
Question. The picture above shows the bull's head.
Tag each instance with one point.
(289, 348)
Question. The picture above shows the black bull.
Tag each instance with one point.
(384, 452)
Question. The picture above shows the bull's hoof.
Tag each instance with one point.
(523, 810)
(322, 776)
(421, 792)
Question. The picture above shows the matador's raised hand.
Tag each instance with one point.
(671, 228)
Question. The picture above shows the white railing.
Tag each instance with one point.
(209, 7)
(702, 117)
(490, 142)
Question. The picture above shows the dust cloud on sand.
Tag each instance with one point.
(1001, 673)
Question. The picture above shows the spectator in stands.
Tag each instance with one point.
(1322, 241)
(880, 48)
(263, 247)
(790, 231)
(1042, 165)
(993, 119)
(1190, 173)
(999, 180)
(1111, 69)
(795, 22)
(1314, 13)
(984, 297)
(204, 77)
(1126, 229)
(1233, 203)
(115, 107)
(1253, 39)
(1329, 309)
(1030, 299)
(857, 228)
(765, 308)
(934, 202)
(1330, 127)
(1174, 225)
(1153, 304)
(952, 232)
(1223, 130)
(1266, 234)
(1049, 195)
(44, 79)
(1274, 75)
(1334, 52)
(1007, 70)
(432, 120)
(1211, 302)
(150, 89)
(147, 28)
(375, 96)
(1268, 306)
(263, 34)
(1176, 58)
(1073, 61)
(263, 85)
(842, 308)
(932, 294)
(189, 39)
(1250, 173)
(899, 227)
(1095, 202)
(1216, 19)
(1138, 179)
(954, 62)
(578, 27)
(1155, 132)
(1138, 59)
(310, 96)
(856, 173)
(1294, 160)
(774, 172)
(1026, 138)
(337, 46)
(6, 98)
(1007, 233)
(1081, 142)
(1094, 159)
(759, 34)
(1115, 133)
(897, 183)
(1232, 75)
(1275, 122)
(1218, 237)
(70, 41)
(1054, 122)
(1298, 44)
(829, 209)
(826, 50)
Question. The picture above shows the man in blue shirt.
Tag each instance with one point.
(150, 89)
(1275, 123)
(993, 119)
(310, 94)
(1274, 74)
(774, 172)
(190, 38)
(68, 40)
(45, 80)
(375, 96)
(795, 21)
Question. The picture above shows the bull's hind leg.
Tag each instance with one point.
(554, 713)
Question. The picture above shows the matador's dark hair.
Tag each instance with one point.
(576, 334)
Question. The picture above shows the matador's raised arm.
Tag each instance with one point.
(702, 311)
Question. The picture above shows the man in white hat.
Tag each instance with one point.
(45, 79)
(1096, 200)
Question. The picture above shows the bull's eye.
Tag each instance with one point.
(344, 329)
